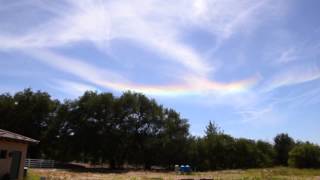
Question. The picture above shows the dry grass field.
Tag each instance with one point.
(269, 173)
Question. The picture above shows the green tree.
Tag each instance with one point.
(247, 154)
(266, 153)
(28, 113)
(141, 124)
(283, 144)
(134, 129)
(212, 129)
(174, 139)
(219, 151)
(305, 155)
(7, 106)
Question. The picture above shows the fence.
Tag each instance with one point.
(39, 163)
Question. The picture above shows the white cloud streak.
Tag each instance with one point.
(156, 24)
(292, 76)
(76, 67)
(287, 56)
(71, 88)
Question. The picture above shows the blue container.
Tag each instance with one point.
(182, 168)
(185, 168)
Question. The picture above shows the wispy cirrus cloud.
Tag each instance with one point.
(158, 25)
(100, 22)
(292, 76)
(71, 88)
(106, 78)
(287, 56)
(295, 52)
(76, 67)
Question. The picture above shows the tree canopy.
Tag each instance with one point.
(100, 128)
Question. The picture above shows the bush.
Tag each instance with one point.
(266, 154)
(305, 155)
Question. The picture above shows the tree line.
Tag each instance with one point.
(133, 129)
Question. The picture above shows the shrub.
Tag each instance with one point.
(305, 155)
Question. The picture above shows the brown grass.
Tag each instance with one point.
(269, 173)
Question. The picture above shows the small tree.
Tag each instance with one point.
(283, 145)
(212, 129)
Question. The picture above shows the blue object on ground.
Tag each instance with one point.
(185, 168)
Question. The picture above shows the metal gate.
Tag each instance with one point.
(39, 163)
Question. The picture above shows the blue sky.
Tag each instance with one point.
(251, 66)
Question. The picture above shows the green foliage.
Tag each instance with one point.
(283, 144)
(28, 113)
(305, 155)
(98, 128)
(212, 129)
(219, 151)
(222, 151)
(134, 129)
(266, 153)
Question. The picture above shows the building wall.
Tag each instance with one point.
(5, 164)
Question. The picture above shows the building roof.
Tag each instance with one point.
(15, 137)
